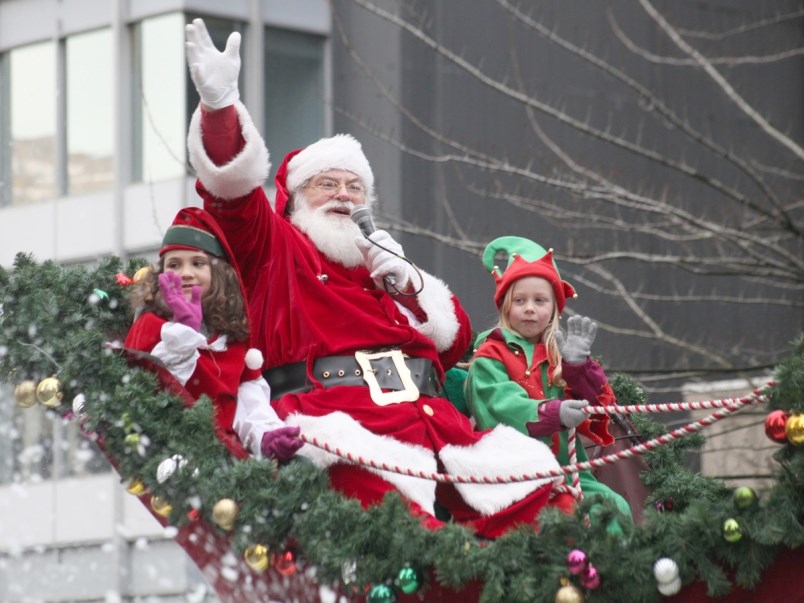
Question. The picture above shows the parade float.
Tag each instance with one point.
(261, 531)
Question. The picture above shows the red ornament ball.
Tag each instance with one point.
(285, 562)
(774, 426)
(123, 279)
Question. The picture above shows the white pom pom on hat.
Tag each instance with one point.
(339, 152)
(254, 359)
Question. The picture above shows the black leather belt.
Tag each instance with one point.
(332, 371)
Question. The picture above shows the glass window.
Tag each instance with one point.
(294, 91)
(90, 106)
(31, 98)
(159, 90)
(37, 444)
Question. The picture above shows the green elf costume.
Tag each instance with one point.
(510, 380)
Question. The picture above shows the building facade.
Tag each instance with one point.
(95, 99)
(479, 122)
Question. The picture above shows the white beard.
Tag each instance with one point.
(334, 237)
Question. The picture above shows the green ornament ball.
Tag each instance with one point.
(381, 593)
(731, 530)
(132, 440)
(408, 580)
(745, 497)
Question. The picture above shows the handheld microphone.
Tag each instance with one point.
(361, 215)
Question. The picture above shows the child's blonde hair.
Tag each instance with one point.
(548, 335)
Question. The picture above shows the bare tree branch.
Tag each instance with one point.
(721, 81)
(728, 61)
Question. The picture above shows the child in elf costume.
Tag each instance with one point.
(526, 373)
(192, 317)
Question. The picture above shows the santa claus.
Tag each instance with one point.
(355, 338)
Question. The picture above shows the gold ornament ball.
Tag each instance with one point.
(25, 394)
(794, 429)
(160, 506)
(136, 487)
(224, 513)
(48, 392)
(257, 557)
(141, 274)
(569, 594)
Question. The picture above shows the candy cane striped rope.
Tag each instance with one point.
(573, 457)
(615, 409)
(729, 407)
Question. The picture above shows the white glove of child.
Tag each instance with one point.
(213, 73)
(576, 345)
(384, 264)
(570, 413)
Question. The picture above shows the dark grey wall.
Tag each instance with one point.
(447, 99)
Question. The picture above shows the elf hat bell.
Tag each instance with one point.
(525, 258)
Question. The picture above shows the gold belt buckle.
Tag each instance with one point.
(410, 393)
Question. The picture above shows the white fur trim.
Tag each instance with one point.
(339, 152)
(436, 301)
(243, 173)
(253, 358)
(342, 431)
(254, 415)
(178, 349)
(503, 452)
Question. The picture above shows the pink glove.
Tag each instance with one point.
(185, 312)
(281, 443)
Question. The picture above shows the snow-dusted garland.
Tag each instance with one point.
(728, 407)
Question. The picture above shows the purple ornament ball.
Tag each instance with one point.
(577, 561)
(590, 578)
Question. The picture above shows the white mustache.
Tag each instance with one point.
(336, 204)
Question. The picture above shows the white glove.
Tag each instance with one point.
(214, 73)
(576, 345)
(569, 413)
(384, 264)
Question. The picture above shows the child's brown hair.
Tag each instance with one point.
(223, 306)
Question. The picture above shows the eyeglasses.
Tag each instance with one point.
(330, 187)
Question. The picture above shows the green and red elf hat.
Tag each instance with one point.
(192, 229)
(525, 258)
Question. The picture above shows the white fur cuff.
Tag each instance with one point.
(503, 452)
(341, 431)
(436, 301)
(243, 173)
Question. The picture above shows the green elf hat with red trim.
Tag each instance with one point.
(525, 258)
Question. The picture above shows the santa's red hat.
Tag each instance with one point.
(339, 152)
(525, 258)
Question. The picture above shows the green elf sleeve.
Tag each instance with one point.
(493, 398)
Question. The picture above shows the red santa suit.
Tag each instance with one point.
(310, 311)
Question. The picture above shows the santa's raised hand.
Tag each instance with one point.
(214, 73)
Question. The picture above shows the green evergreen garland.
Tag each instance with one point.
(59, 321)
